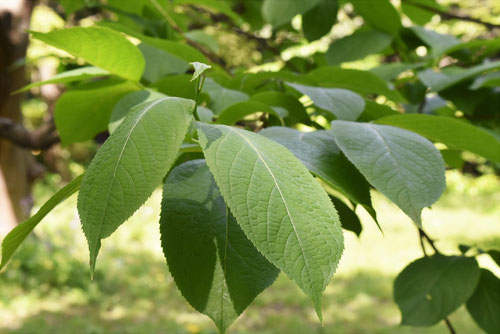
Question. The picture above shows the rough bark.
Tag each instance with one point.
(15, 199)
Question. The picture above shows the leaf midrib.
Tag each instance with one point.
(393, 160)
(284, 202)
(113, 178)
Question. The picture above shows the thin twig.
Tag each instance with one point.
(207, 53)
(450, 326)
(423, 235)
(450, 16)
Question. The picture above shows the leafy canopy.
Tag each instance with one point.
(267, 136)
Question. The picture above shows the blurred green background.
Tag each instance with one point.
(47, 286)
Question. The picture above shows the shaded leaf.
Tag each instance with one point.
(452, 75)
(390, 71)
(357, 46)
(296, 111)
(222, 97)
(431, 288)
(361, 82)
(484, 304)
(318, 21)
(160, 63)
(348, 217)
(238, 111)
(416, 13)
(382, 15)
(84, 111)
(439, 43)
(342, 103)
(215, 266)
(279, 12)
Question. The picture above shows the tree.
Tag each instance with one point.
(261, 170)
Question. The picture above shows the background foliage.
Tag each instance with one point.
(300, 65)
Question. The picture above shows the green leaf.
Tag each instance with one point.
(160, 63)
(487, 80)
(401, 164)
(279, 12)
(484, 304)
(177, 85)
(453, 133)
(203, 38)
(390, 71)
(222, 97)
(374, 110)
(130, 165)
(15, 237)
(99, 46)
(357, 46)
(215, 266)
(431, 288)
(439, 43)
(127, 102)
(453, 75)
(318, 21)
(342, 103)
(238, 111)
(199, 68)
(453, 158)
(281, 208)
(204, 114)
(348, 217)
(361, 82)
(81, 113)
(177, 48)
(382, 15)
(71, 6)
(417, 14)
(296, 111)
(78, 74)
(495, 256)
(214, 5)
(320, 154)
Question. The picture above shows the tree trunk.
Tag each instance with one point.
(15, 162)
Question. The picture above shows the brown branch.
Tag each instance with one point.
(450, 16)
(263, 43)
(39, 139)
(207, 53)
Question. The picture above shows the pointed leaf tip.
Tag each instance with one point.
(129, 166)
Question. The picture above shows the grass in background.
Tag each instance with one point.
(46, 288)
